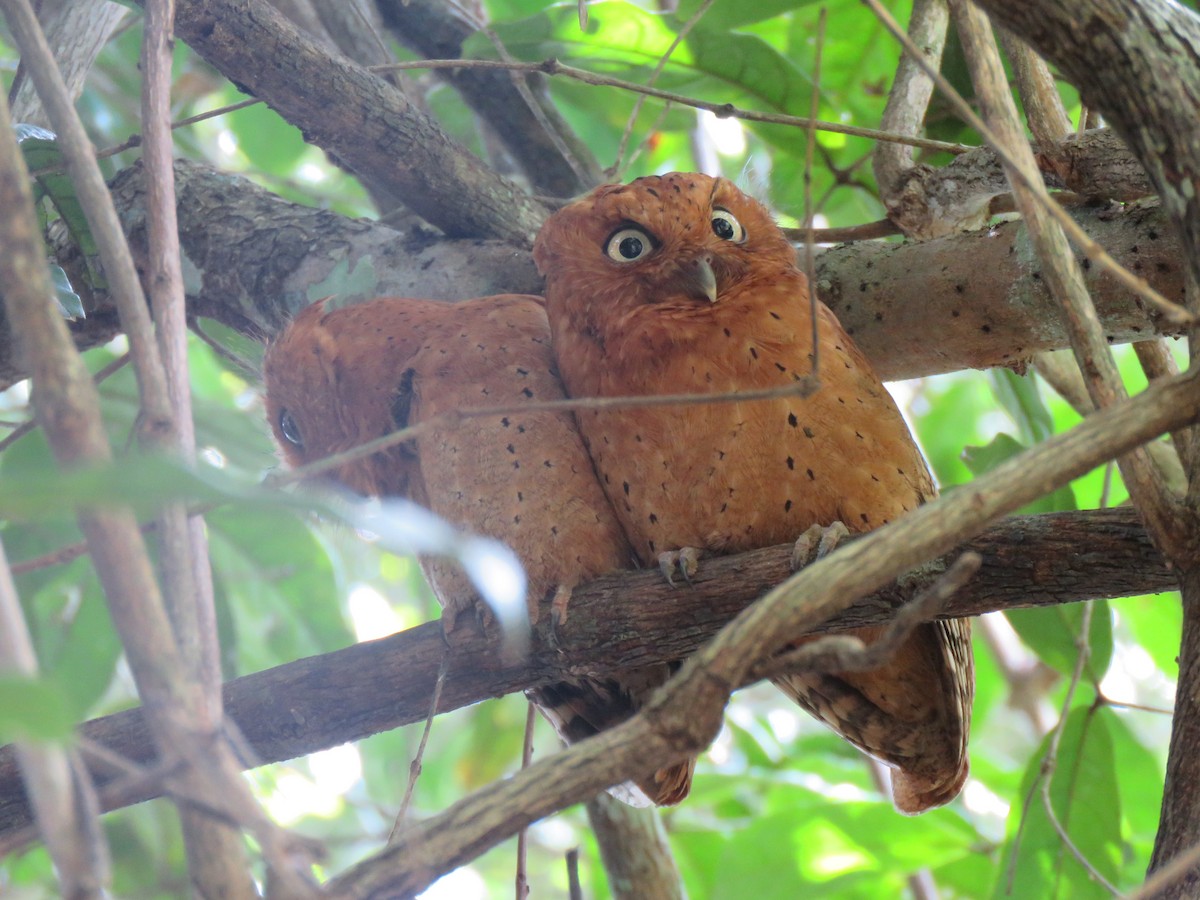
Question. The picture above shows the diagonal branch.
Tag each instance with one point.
(319, 702)
(685, 715)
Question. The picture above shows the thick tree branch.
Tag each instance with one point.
(621, 621)
(535, 138)
(682, 718)
(361, 118)
(256, 259)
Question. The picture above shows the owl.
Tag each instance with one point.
(683, 284)
(336, 378)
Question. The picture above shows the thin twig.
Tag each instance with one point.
(24, 428)
(522, 879)
(810, 266)
(574, 888)
(802, 387)
(1170, 311)
(414, 768)
(687, 26)
(721, 110)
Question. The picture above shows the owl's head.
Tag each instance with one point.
(677, 241)
(335, 379)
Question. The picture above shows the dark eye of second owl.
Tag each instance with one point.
(628, 244)
(726, 226)
(289, 429)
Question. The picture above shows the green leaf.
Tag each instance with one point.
(1051, 632)
(41, 153)
(33, 709)
(69, 303)
(1022, 400)
(1002, 448)
(1086, 803)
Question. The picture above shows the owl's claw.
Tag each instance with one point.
(817, 543)
(684, 561)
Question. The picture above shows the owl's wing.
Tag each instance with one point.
(913, 713)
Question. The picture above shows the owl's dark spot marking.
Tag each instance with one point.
(841, 401)
(728, 333)
(505, 422)
(774, 316)
(521, 371)
(652, 192)
(808, 432)
(653, 519)
(625, 487)
(554, 530)
(986, 329)
(754, 352)
(866, 519)
(857, 435)
(878, 317)
(875, 478)
(1087, 264)
(527, 392)
(724, 506)
(720, 454)
(791, 463)
(520, 429)
(960, 289)
(638, 438)
(607, 480)
(547, 464)
(516, 520)
(511, 449)
(954, 313)
(792, 420)
(731, 492)
(900, 471)
(780, 367)
(516, 464)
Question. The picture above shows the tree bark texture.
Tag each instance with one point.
(619, 621)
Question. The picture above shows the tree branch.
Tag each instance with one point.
(621, 621)
(361, 118)
(259, 259)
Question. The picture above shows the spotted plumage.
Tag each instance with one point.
(337, 378)
(683, 284)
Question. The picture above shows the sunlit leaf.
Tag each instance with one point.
(33, 709)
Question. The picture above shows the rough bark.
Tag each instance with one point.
(253, 260)
(361, 118)
(534, 137)
(620, 621)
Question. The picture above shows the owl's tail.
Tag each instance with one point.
(912, 713)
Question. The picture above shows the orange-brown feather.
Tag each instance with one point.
(344, 376)
(734, 476)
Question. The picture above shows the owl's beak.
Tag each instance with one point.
(697, 280)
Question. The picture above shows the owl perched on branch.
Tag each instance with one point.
(683, 284)
(337, 378)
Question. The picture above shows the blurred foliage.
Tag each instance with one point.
(780, 807)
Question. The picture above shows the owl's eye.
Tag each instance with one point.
(628, 244)
(289, 429)
(726, 226)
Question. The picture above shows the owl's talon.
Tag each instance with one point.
(817, 542)
(685, 561)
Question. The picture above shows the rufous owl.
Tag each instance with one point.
(337, 378)
(682, 284)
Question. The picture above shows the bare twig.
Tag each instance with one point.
(810, 240)
(720, 110)
(414, 768)
(682, 34)
(60, 790)
(522, 878)
(1171, 311)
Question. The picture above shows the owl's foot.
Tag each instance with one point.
(685, 561)
(817, 543)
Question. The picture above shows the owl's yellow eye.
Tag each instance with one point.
(628, 244)
(726, 226)
(290, 430)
